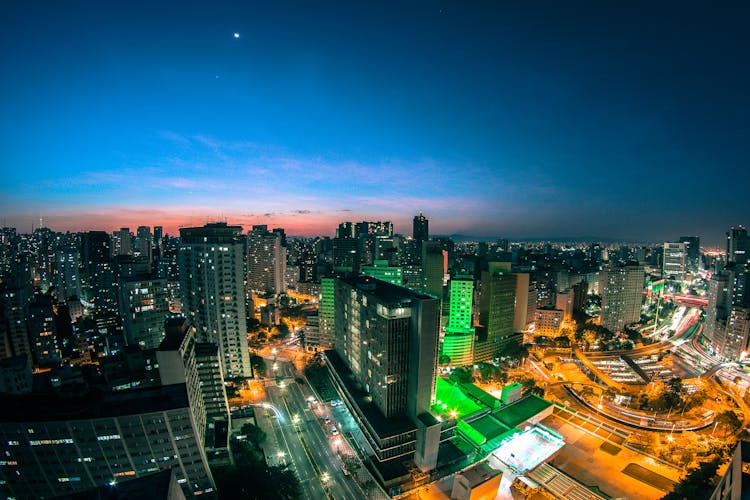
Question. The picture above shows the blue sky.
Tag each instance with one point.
(524, 119)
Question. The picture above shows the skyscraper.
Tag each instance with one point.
(675, 261)
(326, 314)
(728, 312)
(693, 249)
(144, 305)
(420, 228)
(43, 331)
(211, 263)
(458, 342)
(125, 241)
(738, 245)
(385, 363)
(497, 298)
(433, 268)
(266, 260)
(621, 288)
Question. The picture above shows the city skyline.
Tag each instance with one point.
(494, 120)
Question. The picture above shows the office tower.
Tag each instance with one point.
(738, 245)
(14, 334)
(144, 305)
(143, 243)
(458, 342)
(266, 260)
(675, 261)
(211, 263)
(580, 296)
(420, 229)
(158, 236)
(522, 302)
(433, 268)
(43, 331)
(621, 288)
(95, 247)
(380, 269)
(384, 363)
(126, 246)
(16, 375)
(326, 314)
(564, 303)
(345, 253)
(693, 249)
(184, 360)
(64, 445)
(66, 273)
(727, 312)
(497, 298)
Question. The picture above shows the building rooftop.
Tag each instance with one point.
(522, 410)
(49, 407)
(15, 363)
(153, 486)
(386, 292)
(479, 474)
(449, 398)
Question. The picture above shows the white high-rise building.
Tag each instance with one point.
(266, 260)
(212, 271)
(621, 288)
(675, 261)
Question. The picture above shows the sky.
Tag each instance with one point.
(499, 119)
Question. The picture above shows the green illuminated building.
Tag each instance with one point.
(382, 271)
(497, 305)
(458, 342)
(326, 313)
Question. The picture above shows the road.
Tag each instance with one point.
(308, 443)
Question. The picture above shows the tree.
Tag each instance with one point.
(461, 375)
(728, 420)
(698, 483)
(258, 364)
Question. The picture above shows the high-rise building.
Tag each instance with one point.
(522, 302)
(675, 261)
(144, 305)
(693, 249)
(143, 243)
(211, 263)
(385, 363)
(66, 274)
(738, 245)
(43, 331)
(621, 288)
(433, 268)
(497, 300)
(126, 247)
(65, 445)
(326, 315)
(458, 341)
(420, 228)
(727, 312)
(14, 334)
(266, 260)
(198, 364)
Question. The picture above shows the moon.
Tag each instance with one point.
(236, 35)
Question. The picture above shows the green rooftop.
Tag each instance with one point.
(449, 397)
(522, 410)
(486, 432)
